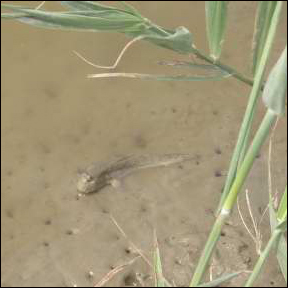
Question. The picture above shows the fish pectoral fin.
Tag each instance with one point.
(115, 183)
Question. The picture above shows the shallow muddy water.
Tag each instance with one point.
(55, 121)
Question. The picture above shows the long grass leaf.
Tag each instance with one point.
(281, 251)
(88, 5)
(249, 113)
(159, 278)
(282, 209)
(274, 94)
(157, 77)
(216, 18)
(263, 18)
(79, 20)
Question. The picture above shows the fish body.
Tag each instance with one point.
(98, 176)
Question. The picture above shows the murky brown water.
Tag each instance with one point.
(55, 121)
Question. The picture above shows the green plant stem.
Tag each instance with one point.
(258, 140)
(208, 249)
(252, 152)
(224, 67)
(243, 136)
(263, 256)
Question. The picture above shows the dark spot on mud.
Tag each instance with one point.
(47, 222)
(44, 148)
(223, 234)
(130, 279)
(215, 112)
(217, 173)
(9, 213)
(174, 110)
(46, 185)
(218, 151)
(128, 250)
(46, 244)
(143, 209)
(105, 211)
(42, 169)
(177, 261)
(258, 156)
(180, 166)
(272, 282)
(242, 248)
(10, 172)
(50, 92)
(140, 141)
(69, 232)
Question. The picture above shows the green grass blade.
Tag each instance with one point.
(96, 6)
(88, 6)
(159, 278)
(185, 64)
(216, 18)
(281, 252)
(282, 210)
(114, 20)
(211, 72)
(220, 280)
(79, 20)
(254, 149)
(207, 251)
(264, 14)
(263, 257)
(274, 94)
(282, 225)
(130, 8)
(12, 15)
(282, 256)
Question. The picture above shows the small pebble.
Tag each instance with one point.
(79, 195)
(90, 274)
(73, 231)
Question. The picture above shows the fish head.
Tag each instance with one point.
(86, 183)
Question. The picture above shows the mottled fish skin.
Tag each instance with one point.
(98, 176)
